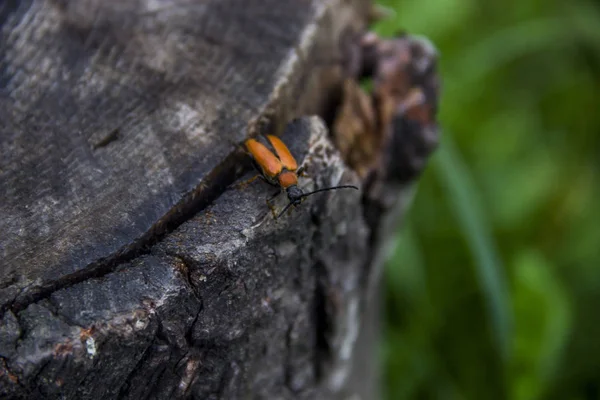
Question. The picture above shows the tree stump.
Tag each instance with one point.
(132, 263)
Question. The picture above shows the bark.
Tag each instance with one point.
(132, 265)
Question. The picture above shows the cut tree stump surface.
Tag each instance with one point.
(116, 115)
(131, 266)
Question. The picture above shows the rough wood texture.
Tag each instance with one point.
(130, 268)
(114, 112)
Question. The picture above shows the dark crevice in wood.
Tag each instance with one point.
(39, 371)
(22, 329)
(215, 183)
(9, 282)
(187, 265)
(372, 212)
(322, 323)
(321, 319)
(188, 334)
(106, 140)
(124, 388)
(331, 107)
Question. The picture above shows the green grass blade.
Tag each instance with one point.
(454, 176)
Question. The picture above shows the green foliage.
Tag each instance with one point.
(493, 289)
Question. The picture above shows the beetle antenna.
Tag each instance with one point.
(329, 188)
(316, 191)
(284, 210)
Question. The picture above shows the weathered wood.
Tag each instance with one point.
(130, 268)
(114, 114)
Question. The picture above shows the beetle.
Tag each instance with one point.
(279, 168)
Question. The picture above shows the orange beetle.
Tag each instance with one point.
(280, 169)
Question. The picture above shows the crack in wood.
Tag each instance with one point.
(112, 136)
(214, 184)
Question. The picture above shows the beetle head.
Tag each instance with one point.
(295, 195)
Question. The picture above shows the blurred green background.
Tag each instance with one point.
(494, 288)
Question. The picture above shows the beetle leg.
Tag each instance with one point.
(242, 185)
(271, 207)
(302, 172)
(270, 199)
